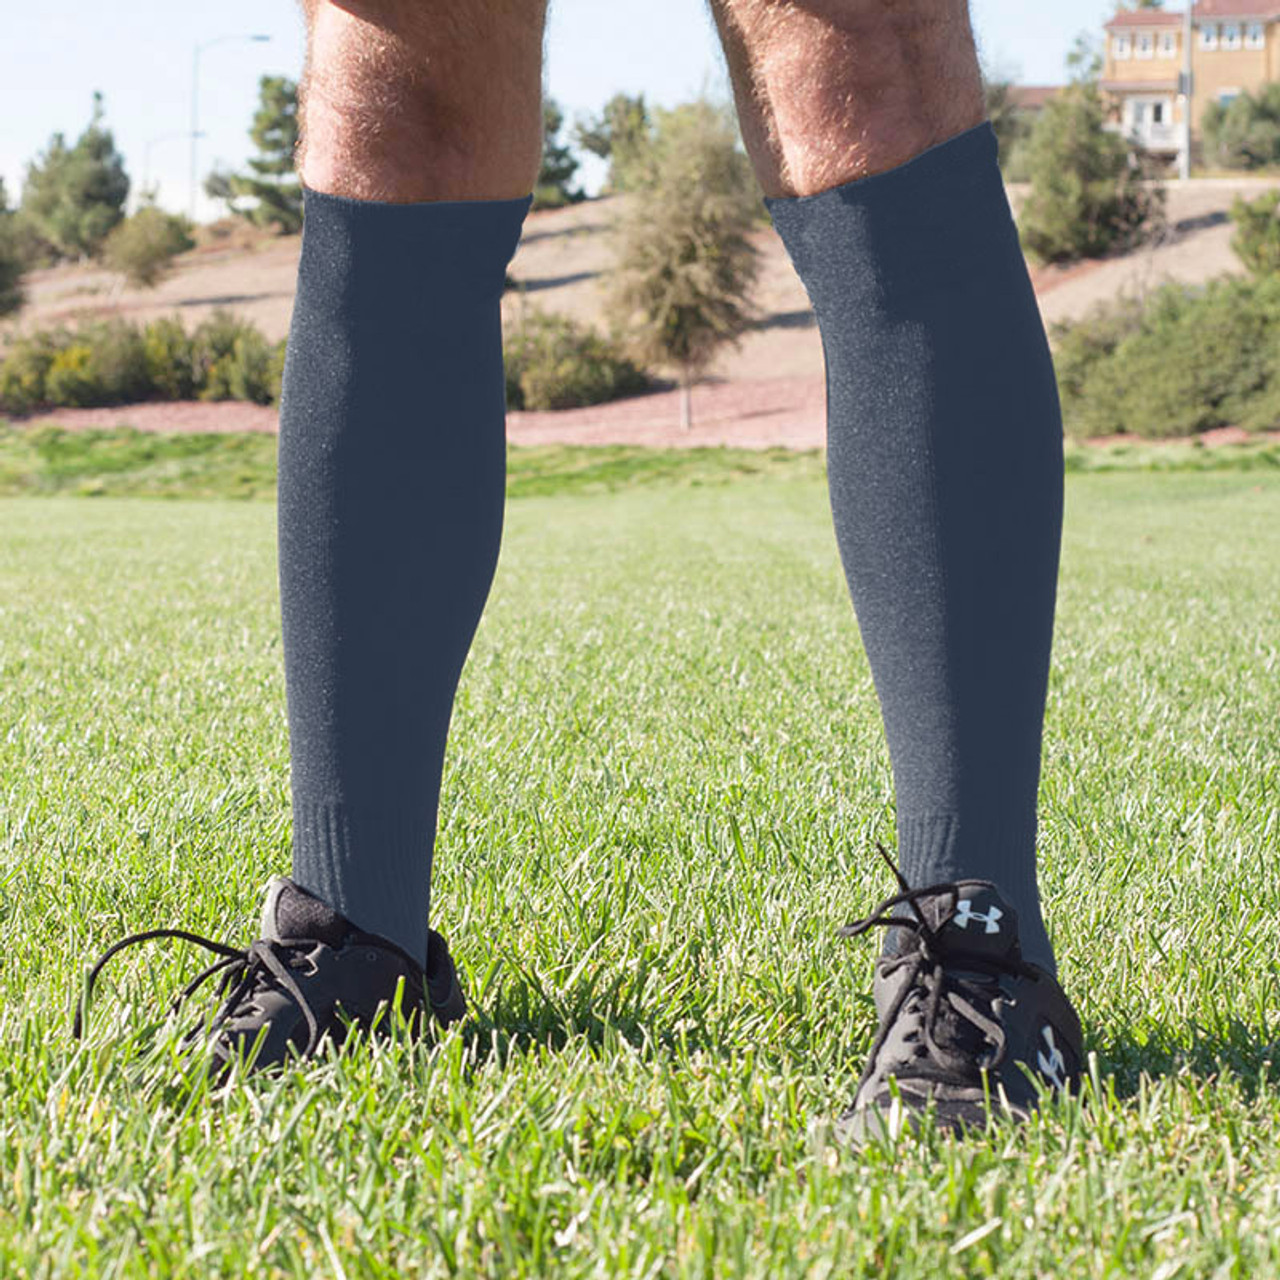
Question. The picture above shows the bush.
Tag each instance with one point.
(1087, 199)
(169, 356)
(24, 370)
(106, 363)
(1257, 238)
(142, 248)
(232, 360)
(1245, 132)
(554, 363)
(1190, 360)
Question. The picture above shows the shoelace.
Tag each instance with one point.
(936, 978)
(259, 966)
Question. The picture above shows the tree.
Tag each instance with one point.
(220, 185)
(620, 135)
(73, 196)
(142, 248)
(1245, 132)
(1257, 236)
(1087, 197)
(11, 265)
(686, 265)
(552, 191)
(275, 193)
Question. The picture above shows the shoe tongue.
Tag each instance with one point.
(973, 919)
(291, 912)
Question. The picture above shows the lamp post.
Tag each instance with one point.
(1184, 151)
(195, 104)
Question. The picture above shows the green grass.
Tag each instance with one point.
(664, 780)
(124, 462)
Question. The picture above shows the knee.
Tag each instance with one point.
(408, 100)
(851, 87)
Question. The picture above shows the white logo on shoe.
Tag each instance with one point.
(965, 913)
(1054, 1066)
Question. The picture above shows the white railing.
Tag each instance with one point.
(1154, 137)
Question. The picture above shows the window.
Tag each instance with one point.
(1209, 35)
(1227, 96)
(1168, 45)
(1121, 48)
(1146, 45)
(1157, 113)
(1230, 35)
(1255, 36)
(1138, 112)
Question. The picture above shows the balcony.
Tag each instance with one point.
(1149, 136)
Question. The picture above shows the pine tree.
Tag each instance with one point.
(619, 134)
(11, 264)
(552, 189)
(275, 192)
(1087, 198)
(687, 266)
(74, 196)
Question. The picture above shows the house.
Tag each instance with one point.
(1235, 46)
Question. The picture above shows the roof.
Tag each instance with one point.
(1147, 18)
(1031, 97)
(1204, 11)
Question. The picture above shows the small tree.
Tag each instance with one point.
(142, 248)
(11, 265)
(1087, 197)
(1257, 236)
(686, 265)
(270, 184)
(552, 190)
(1245, 132)
(74, 196)
(619, 135)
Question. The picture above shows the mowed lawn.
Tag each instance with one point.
(665, 780)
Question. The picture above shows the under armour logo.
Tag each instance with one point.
(1054, 1066)
(965, 913)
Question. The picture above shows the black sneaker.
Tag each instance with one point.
(309, 964)
(966, 1025)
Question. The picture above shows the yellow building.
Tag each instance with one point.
(1235, 46)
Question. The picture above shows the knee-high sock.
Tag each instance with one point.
(392, 475)
(944, 453)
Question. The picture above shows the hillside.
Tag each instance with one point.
(768, 390)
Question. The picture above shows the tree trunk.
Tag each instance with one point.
(686, 404)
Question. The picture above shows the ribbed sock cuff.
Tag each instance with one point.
(374, 866)
(936, 847)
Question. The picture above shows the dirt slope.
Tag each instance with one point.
(564, 259)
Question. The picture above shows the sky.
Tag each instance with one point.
(141, 54)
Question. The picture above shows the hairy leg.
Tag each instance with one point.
(832, 90)
(407, 100)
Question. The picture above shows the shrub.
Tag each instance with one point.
(1245, 132)
(1086, 198)
(1257, 237)
(221, 366)
(106, 363)
(554, 363)
(142, 248)
(169, 356)
(70, 380)
(1190, 360)
(24, 370)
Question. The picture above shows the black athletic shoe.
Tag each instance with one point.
(309, 965)
(963, 1018)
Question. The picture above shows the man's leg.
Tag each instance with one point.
(864, 122)
(421, 140)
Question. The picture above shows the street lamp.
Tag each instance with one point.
(195, 103)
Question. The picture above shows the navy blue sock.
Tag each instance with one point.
(944, 452)
(392, 476)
